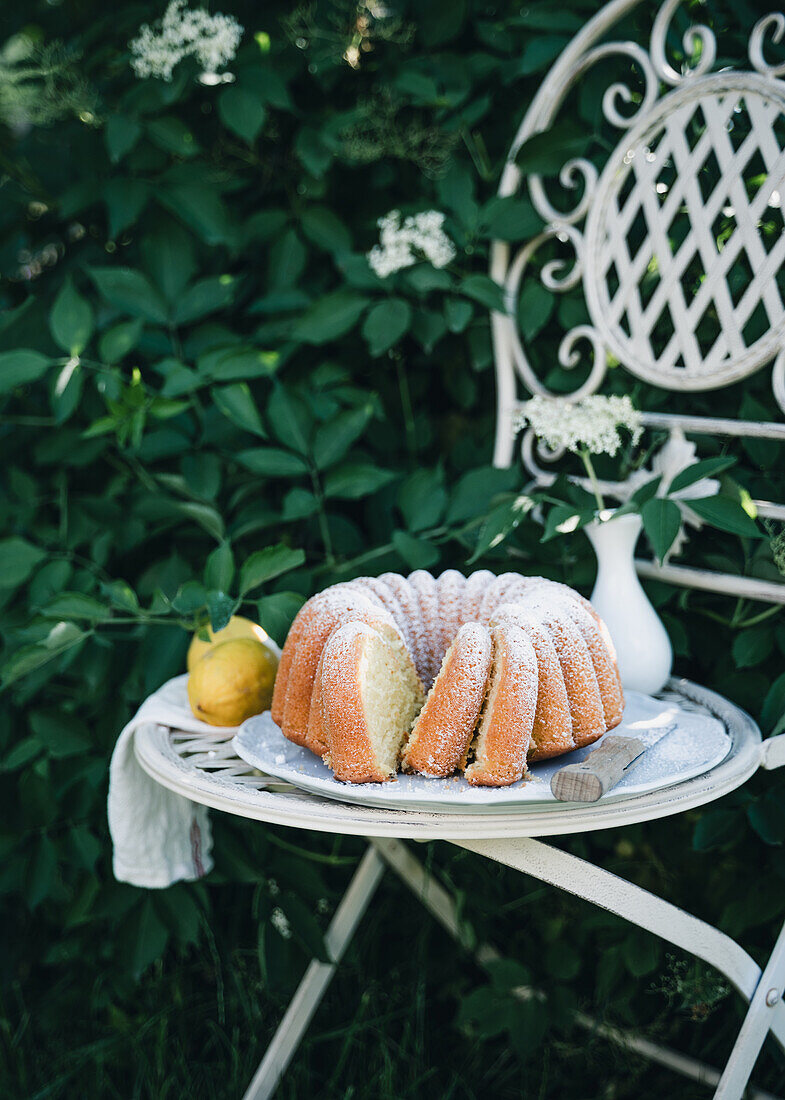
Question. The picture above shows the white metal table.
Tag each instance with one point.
(206, 770)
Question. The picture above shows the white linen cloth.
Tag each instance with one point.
(159, 837)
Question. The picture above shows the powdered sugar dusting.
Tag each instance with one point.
(424, 586)
(449, 593)
(505, 730)
(441, 734)
(576, 694)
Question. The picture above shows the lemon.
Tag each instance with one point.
(232, 681)
(237, 627)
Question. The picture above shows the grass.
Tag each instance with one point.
(197, 1024)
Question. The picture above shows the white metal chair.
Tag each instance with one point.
(682, 118)
(690, 151)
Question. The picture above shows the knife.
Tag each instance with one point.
(606, 765)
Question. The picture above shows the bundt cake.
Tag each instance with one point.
(477, 674)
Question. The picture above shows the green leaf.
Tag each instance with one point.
(265, 564)
(475, 489)
(355, 480)
(19, 558)
(321, 226)
(272, 462)
(535, 306)
(385, 324)
(727, 515)
(121, 595)
(59, 733)
(767, 817)
(422, 499)
(641, 953)
(709, 467)
(121, 134)
(501, 522)
(125, 200)
(173, 136)
(62, 637)
(221, 608)
(21, 754)
(661, 522)
(76, 605)
(237, 405)
(276, 612)
(242, 113)
(148, 937)
(330, 317)
(231, 364)
(510, 219)
(484, 290)
(548, 152)
(457, 314)
(204, 297)
(170, 259)
(417, 553)
(564, 519)
(298, 504)
(21, 366)
(752, 646)
(130, 291)
(334, 439)
(201, 207)
(219, 567)
(715, 829)
(117, 341)
(646, 491)
(41, 874)
(190, 597)
(71, 320)
(289, 419)
(204, 515)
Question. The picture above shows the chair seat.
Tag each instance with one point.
(206, 770)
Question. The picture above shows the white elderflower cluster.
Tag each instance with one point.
(402, 245)
(181, 33)
(591, 424)
(280, 923)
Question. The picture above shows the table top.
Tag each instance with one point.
(205, 769)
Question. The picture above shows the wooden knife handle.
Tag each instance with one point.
(599, 772)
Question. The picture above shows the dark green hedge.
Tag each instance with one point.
(252, 412)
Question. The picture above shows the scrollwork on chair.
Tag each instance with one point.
(675, 242)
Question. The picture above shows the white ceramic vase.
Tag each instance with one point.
(643, 648)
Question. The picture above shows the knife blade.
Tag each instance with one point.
(615, 756)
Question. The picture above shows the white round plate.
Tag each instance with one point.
(693, 744)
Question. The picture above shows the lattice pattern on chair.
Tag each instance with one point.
(677, 244)
(215, 755)
(679, 277)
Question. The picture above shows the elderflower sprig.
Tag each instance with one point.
(591, 426)
(400, 244)
(183, 32)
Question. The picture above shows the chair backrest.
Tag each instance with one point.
(676, 243)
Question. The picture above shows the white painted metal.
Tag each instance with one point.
(442, 906)
(679, 121)
(206, 771)
(157, 752)
(766, 1001)
(686, 577)
(762, 989)
(317, 977)
(625, 899)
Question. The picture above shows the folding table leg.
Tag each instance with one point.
(756, 1026)
(317, 977)
(442, 906)
(625, 899)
